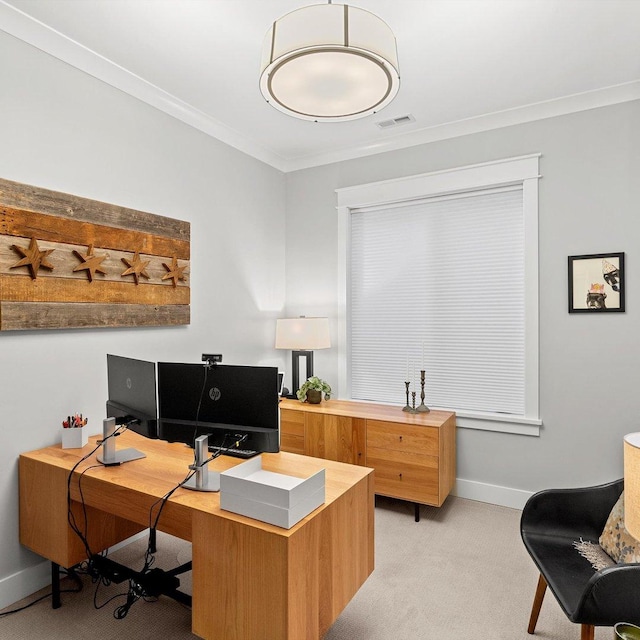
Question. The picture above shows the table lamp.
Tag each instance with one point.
(632, 484)
(302, 335)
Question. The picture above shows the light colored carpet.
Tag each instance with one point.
(461, 572)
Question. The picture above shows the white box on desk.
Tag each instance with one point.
(271, 497)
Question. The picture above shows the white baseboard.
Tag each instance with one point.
(495, 494)
(27, 581)
(21, 584)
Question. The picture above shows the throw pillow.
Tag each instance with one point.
(616, 540)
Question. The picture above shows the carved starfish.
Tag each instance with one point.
(175, 272)
(33, 258)
(90, 263)
(136, 267)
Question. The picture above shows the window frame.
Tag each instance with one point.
(521, 170)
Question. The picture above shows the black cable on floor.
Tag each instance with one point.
(46, 595)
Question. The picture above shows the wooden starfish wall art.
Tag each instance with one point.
(175, 272)
(136, 268)
(89, 263)
(32, 258)
(62, 257)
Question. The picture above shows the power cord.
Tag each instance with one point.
(70, 515)
(105, 582)
(136, 590)
(153, 524)
(163, 500)
(207, 367)
(46, 595)
(121, 611)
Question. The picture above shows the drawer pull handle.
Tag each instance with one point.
(400, 438)
(400, 476)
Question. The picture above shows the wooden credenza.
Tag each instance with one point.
(414, 455)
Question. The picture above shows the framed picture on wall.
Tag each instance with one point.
(596, 283)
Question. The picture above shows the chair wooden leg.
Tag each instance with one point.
(587, 632)
(537, 604)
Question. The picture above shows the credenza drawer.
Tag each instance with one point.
(292, 444)
(406, 476)
(292, 431)
(402, 437)
(292, 422)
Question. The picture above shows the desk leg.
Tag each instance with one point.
(416, 508)
(55, 586)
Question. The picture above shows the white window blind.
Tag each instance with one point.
(439, 284)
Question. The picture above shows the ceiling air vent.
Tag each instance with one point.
(395, 122)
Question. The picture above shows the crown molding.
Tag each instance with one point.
(529, 113)
(23, 27)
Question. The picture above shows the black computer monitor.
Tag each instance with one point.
(221, 401)
(132, 394)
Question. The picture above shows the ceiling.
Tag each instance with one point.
(465, 65)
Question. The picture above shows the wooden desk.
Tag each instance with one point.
(251, 580)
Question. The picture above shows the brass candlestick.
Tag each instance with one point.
(423, 407)
(407, 407)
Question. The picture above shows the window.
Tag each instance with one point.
(440, 274)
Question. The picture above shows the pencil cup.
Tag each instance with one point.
(74, 438)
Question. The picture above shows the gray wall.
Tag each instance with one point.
(64, 130)
(589, 366)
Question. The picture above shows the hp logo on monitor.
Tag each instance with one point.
(214, 393)
(129, 383)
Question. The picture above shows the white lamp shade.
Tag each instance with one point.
(329, 62)
(302, 334)
(632, 484)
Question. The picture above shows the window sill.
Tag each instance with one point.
(498, 422)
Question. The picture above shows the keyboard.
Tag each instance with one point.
(235, 452)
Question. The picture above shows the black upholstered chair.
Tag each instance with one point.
(552, 520)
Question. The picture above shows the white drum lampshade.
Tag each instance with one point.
(329, 62)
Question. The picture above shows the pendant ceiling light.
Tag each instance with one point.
(328, 63)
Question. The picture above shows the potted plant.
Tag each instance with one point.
(311, 391)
